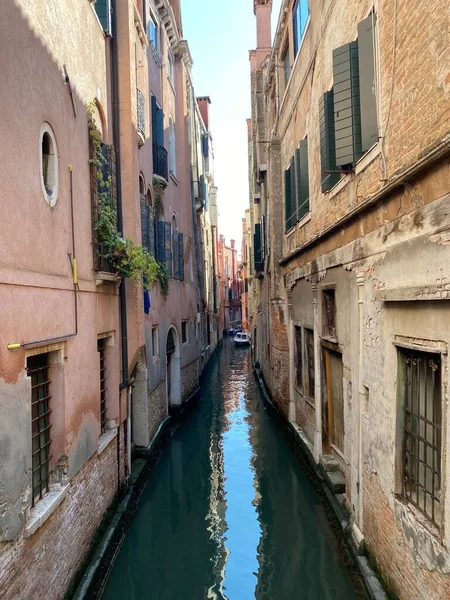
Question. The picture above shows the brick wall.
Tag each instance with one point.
(389, 547)
(189, 380)
(157, 407)
(43, 565)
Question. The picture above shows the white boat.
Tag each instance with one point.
(242, 339)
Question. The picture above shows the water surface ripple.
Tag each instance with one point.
(228, 513)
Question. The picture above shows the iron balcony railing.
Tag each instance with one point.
(160, 163)
(140, 112)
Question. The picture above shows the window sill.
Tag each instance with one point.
(360, 166)
(45, 508)
(104, 276)
(174, 178)
(105, 439)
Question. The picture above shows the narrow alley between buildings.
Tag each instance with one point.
(228, 512)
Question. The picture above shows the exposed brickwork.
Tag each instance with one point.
(43, 565)
(157, 407)
(189, 380)
(389, 547)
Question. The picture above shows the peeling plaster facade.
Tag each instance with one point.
(56, 63)
(377, 242)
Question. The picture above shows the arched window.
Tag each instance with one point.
(141, 187)
(172, 147)
(48, 164)
(149, 198)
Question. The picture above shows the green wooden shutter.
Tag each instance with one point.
(257, 247)
(144, 224)
(151, 232)
(287, 198)
(303, 207)
(347, 116)
(168, 247)
(103, 10)
(160, 244)
(327, 142)
(298, 185)
(293, 219)
(175, 254)
(367, 87)
(181, 255)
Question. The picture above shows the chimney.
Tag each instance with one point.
(263, 12)
(203, 104)
(232, 244)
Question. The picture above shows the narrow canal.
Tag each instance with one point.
(228, 512)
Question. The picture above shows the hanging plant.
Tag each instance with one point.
(127, 258)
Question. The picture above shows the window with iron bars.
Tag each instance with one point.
(420, 389)
(38, 369)
(101, 346)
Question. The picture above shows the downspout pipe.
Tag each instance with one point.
(116, 141)
(122, 292)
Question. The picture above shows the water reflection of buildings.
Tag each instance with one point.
(216, 517)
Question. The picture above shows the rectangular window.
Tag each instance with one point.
(38, 368)
(329, 313)
(290, 208)
(420, 394)
(300, 16)
(155, 341)
(184, 332)
(101, 347)
(309, 362)
(299, 356)
(153, 33)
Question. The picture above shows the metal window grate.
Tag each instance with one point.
(329, 310)
(422, 432)
(38, 370)
(140, 112)
(101, 346)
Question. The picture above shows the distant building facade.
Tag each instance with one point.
(349, 201)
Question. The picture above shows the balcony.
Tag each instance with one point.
(160, 163)
(140, 117)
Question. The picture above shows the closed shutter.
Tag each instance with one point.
(160, 244)
(154, 126)
(168, 247)
(205, 145)
(181, 255)
(287, 198)
(176, 266)
(257, 247)
(367, 84)
(303, 207)
(347, 116)
(151, 232)
(103, 10)
(144, 224)
(327, 142)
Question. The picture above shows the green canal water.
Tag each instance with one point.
(228, 512)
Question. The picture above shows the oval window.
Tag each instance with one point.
(48, 164)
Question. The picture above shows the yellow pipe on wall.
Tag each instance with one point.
(13, 346)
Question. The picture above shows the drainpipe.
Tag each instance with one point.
(317, 378)
(360, 279)
(116, 140)
(291, 335)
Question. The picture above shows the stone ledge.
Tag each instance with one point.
(105, 439)
(45, 507)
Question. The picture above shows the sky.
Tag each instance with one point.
(220, 35)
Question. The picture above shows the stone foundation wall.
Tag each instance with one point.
(189, 380)
(403, 554)
(44, 564)
(157, 408)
